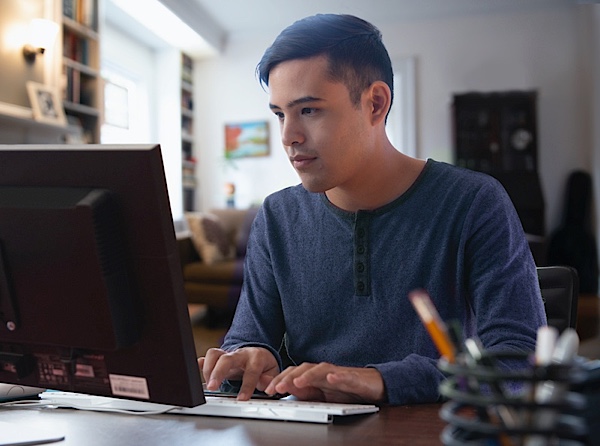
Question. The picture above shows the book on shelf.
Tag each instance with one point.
(75, 48)
(186, 77)
(187, 152)
(187, 126)
(187, 102)
(187, 66)
(78, 87)
(69, 9)
(82, 11)
(187, 62)
(72, 85)
(188, 181)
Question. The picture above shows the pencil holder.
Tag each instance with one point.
(489, 405)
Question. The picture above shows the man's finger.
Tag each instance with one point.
(208, 362)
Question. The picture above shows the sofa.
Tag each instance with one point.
(212, 253)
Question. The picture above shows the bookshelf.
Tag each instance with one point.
(496, 133)
(188, 154)
(81, 80)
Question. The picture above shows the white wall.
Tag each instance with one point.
(524, 51)
(15, 16)
(227, 91)
(531, 50)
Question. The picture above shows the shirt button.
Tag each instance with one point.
(360, 250)
(361, 286)
(360, 267)
(361, 232)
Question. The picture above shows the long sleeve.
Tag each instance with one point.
(335, 284)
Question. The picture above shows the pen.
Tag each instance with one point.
(545, 343)
(564, 352)
(549, 391)
(433, 323)
(544, 346)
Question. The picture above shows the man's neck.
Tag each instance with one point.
(380, 185)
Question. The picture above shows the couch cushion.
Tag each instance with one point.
(231, 219)
(209, 237)
(216, 296)
(225, 272)
(244, 232)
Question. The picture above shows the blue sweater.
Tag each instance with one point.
(336, 282)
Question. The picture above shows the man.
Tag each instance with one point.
(330, 262)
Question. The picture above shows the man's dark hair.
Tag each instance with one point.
(353, 46)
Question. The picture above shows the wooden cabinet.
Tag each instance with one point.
(188, 155)
(81, 83)
(496, 133)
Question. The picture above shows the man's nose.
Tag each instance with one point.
(291, 133)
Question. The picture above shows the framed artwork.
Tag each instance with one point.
(46, 104)
(249, 139)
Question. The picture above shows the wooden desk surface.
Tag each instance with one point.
(404, 425)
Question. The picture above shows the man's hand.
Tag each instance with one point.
(255, 366)
(328, 382)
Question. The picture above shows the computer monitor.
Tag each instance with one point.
(91, 289)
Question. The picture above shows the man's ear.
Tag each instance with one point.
(380, 98)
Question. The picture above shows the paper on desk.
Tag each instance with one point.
(18, 434)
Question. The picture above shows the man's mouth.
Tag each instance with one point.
(301, 161)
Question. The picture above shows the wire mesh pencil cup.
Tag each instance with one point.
(488, 405)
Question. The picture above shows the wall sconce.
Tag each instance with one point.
(42, 33)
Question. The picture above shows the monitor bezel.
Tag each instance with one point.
(163, 361)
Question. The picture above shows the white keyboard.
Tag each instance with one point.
(285, 409)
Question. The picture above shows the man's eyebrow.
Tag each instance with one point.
(298, 101)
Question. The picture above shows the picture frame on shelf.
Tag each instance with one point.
(46, 104)
(247, 139)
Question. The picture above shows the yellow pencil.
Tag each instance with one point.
(433, 323)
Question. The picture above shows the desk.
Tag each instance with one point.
(403, 425)
(588, 314)
(588, 325)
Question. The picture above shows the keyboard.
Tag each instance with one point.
(285, 409)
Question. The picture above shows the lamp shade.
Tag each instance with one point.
(42, 33)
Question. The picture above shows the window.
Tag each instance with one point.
(121, 97)
(401, 124)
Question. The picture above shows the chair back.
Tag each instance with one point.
(560, 292)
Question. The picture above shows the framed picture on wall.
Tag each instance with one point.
(46, 104)
(248, 139)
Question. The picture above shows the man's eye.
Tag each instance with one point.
(279, 115)
(308, 111)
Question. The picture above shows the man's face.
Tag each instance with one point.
(324, 134)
